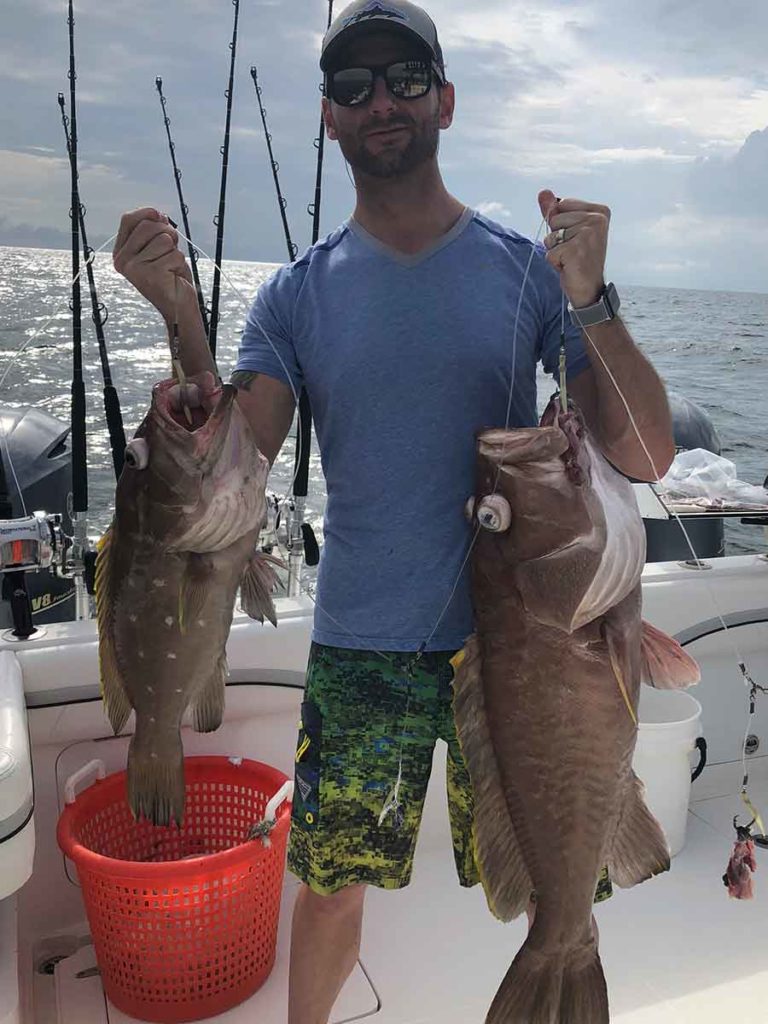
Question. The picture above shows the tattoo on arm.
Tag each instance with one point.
(242, 379)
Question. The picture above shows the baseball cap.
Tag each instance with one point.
(364, 16)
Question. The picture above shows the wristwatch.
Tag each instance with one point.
(600, 312)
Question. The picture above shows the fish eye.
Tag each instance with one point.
(137, 454)
(494, 514)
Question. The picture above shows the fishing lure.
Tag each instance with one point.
(738, 874)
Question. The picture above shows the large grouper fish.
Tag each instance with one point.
(189, 507)
(545, 697)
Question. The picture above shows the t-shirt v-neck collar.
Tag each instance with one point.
(416, 258)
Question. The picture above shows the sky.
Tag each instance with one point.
(657, 109)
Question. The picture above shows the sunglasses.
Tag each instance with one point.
(405, 79)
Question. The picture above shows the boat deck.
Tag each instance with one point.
(675, 950)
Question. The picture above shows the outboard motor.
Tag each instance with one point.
(692, 429)
(41, 465)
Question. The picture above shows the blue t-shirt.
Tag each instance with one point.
(405, 359)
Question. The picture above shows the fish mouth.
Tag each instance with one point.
(195, 408)
(527, 444)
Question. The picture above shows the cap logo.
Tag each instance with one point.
(375, 10)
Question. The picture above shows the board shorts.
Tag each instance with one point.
(364, 720)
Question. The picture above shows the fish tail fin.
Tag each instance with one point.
(665, 664)
(541, 989)
(156, 779)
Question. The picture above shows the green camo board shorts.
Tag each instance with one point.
(359, 713)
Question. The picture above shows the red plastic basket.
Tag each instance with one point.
(184, 921)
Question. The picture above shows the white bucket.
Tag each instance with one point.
(669, 729)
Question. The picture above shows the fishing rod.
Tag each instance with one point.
(301, 535)
(79, 512)
(100, 315)
(314, 208)
(301, 541)
(218, 220)
(281, 201)
(194, 255)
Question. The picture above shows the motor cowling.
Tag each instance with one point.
(692, 428)
(41, 463)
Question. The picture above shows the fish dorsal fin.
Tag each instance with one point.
(259, 580)
(113, 692)
(665, 664)
(506, 880)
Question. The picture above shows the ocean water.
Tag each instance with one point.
(710, 346)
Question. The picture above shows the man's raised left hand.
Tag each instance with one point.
(577, 245)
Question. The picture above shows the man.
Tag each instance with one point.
(402, 324)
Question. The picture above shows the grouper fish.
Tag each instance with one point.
(545, 698)
(189, 507)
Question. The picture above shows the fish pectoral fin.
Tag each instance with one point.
(544, 591)
(665, 664)
(209, 704)
(194, 589)
(639, 849)
(256, 586)
(505, 877)
(113, 693)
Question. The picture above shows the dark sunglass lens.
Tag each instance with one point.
(351, 86)
(410, 79)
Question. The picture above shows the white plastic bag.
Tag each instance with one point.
(698, 473)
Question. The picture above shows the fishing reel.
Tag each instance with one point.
(285, 528)
(31, 543)
(28, 544)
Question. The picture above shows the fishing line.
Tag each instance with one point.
(20, 351)
(751, 685)
(393, 803)
(61, 309)
(247, 303)
(730, 638)
(657, 479)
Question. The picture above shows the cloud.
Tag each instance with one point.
(652, 108)
(493, 210)
(734, 185)
(21, 234)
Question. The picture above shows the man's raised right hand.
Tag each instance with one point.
(146, 253)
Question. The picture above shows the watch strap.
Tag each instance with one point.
(606, 308)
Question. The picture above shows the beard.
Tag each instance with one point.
(398, 161)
